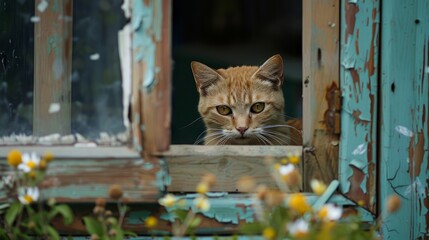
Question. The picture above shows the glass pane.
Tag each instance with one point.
(232, 33)
(93, 85)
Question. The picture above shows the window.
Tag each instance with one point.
(145, 42)
(61, 73)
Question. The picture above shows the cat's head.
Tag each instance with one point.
(240, 104)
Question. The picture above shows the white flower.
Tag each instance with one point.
(28, 195)
(168, 200)
(29, 162)
(298, 228)
(286, 169)
(202, 204)
(330, 212)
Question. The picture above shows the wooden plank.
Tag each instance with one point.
(84, 180)
(227, 214)
(52, 68)
(151, 21)
(75, 152)
(188, 163)
(404, 117)
(359, 88)
(320, 83)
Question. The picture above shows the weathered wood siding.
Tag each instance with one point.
(188, 163)
(321, 129)
(359, 89)
(404, 117)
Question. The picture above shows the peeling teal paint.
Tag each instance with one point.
(223, 209)
(404, 117)
(163, 179)
(146, 23)
(231, 208)
(318, 204)
(359, 83)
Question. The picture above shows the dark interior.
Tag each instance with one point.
(223, 33)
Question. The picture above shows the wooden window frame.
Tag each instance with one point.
(146, 168)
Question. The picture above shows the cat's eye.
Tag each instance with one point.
(257, 107)
(223, 110)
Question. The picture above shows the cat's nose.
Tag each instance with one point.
(242, 130)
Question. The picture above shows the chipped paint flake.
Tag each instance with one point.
(361, 149)
(146, 23)
(42, 6)
(54, 108)
(94, 57)
(35, 19)
(404, 131)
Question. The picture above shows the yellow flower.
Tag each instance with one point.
(202, 204)
(151, 222)
(299, 228)
(48, 156)
(330, 212)
(361, 203)
(298, 203)
(318, 187)
(14, 158)
(202, 188)
(294, 158)
(269, 233)
(168, 200)
(28, 195)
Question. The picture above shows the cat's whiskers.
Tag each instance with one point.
(192, 122)
(265, 140)
(281, 136)
(276, 138)
(281, 125)
(199, 140)
(213, 137)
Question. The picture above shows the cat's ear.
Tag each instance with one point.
(271, 71)
(204, 77)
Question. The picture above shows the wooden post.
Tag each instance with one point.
(151, 97)
(404, 113)
(359, 88)
(52, 66)
(320, 86)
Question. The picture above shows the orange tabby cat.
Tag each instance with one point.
(244, 105)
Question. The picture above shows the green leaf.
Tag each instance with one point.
(119, 233)
(130, 233)
(181, 214)
(52, 233)
(252, 228)
(93, 226)
(64, 210)
(195, 222)
(12, 212)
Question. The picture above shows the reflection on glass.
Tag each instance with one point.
(96, 92)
